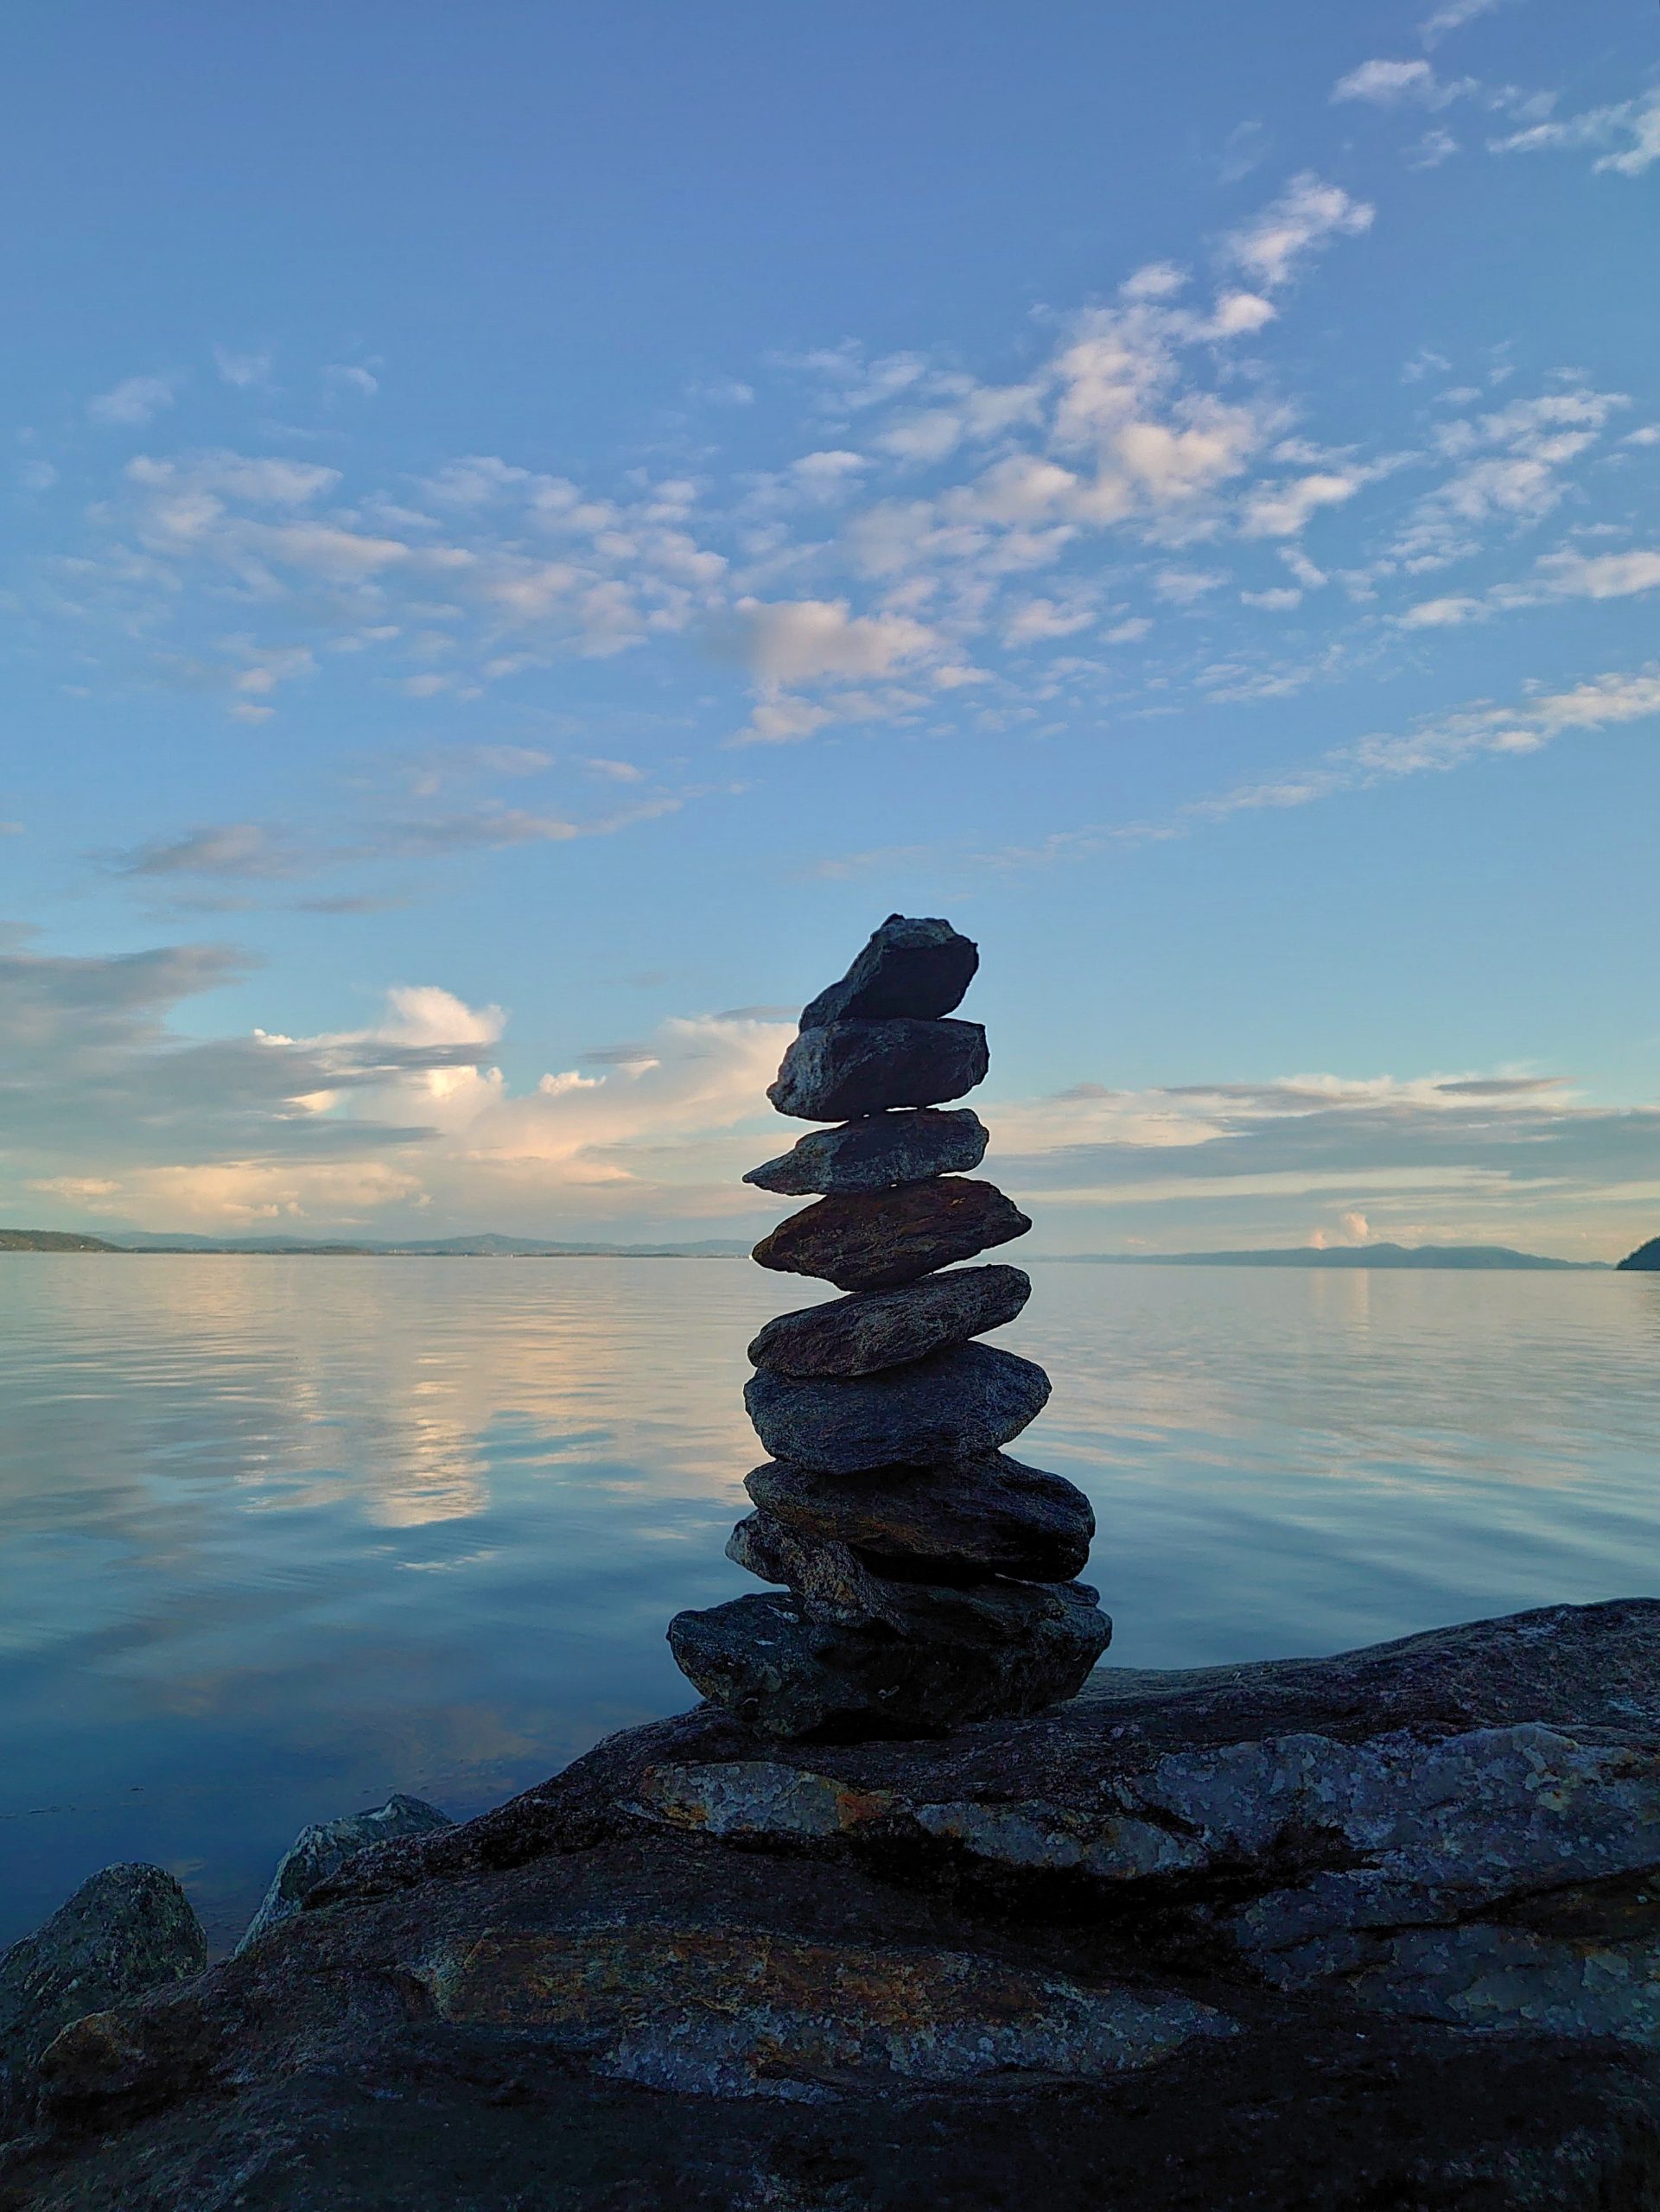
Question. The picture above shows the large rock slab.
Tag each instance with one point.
(989, 1516)
(954, 1406)
(127, 1930)
(866, 1067)
(883, 1239)
(909, 966)
(323, 1847)
(946, 1656)
(876, 1152)
(885, 1328)
(981, 1971)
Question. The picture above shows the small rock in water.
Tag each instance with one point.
(990, 1516)
(831, 1582)
(877, 1152)
(909, 966)
(864, 1067)
(322, 1847)
(127, 1930)
(886, 1328)
(880, 1240)
(962, 1655)
(953, 1405)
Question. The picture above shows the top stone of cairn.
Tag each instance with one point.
(912, 967)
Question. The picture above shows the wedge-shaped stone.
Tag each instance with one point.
(909, 966)
(876, 1152)
(830, 1580)
(989, 1516)
(879, 1239)
(864, 1067)
(952, 1407)
(1001, 1648)
(886, 1328)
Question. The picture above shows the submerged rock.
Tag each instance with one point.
(324, 1846)
(877, 1152)
(909, 966)
(127, 1930)
(990, 1516)
(880, 1240)
(1085, 1958)
(954, 1406)
(864, 1067)
(941, 1657)
(885, 1328)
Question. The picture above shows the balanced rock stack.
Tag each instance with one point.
(927, 1576)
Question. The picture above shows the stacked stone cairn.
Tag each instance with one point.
(927, 1577)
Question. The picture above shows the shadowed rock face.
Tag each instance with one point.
(1203, 1942)
(323, 1847)
(909, 966)
(829, 1580)
(989, 1516)
(876, 1152)
(940, 1658)
(127, 1930)
(883, 1239)
(865, 1067)
(955, 1406)
(885, 1328)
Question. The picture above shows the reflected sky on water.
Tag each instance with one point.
(280, 1536)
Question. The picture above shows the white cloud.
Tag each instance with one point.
(1308, 216)
(1601, 576)
(1396, 83)
(245, 371)
(1452, 16)
(1284, 510)
(1279, 600)
(1441, 614)
(349, 378)
(1631, 128)
(134, 400)
(793, 641)
(1510, 466)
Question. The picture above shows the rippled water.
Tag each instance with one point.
(280, 1536)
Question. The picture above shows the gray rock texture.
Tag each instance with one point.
(829, 1580)
(323, 1847)
(865, 1067)
(940, 1657)
(909, 966)
(882, 1239)
(1060, 1960)
(954, 1406)
(988, 1516)
(127, 1930)
(885, 1328)
(876, 1152)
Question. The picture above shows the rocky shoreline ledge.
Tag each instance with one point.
(1377, 1931)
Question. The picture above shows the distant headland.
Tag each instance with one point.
(489, 1245)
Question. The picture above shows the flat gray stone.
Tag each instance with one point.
(988, 1516)
(961, 1655)
(909, 966)
(831, 1581)
(324, 1846)
(953, 1405)
(125, 1931)
(886, 1328)
(865, 1067)
(877, 1240)
(876, 1152)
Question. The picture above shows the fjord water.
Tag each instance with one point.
(279, 1535)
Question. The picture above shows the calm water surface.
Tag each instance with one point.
(280, 1536)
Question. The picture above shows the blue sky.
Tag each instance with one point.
(530, 530)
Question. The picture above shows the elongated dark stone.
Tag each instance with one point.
(954, 1406)
(879, 1239)
(962, 1655)
(864, 1067)
(830, 1580)
(909, 966)
(877, 1152)
(987, 1515)
(886, 1328)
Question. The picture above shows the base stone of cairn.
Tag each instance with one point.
(926, 1577)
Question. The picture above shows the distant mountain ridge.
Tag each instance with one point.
(1448, 1256)
(488, 1245)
